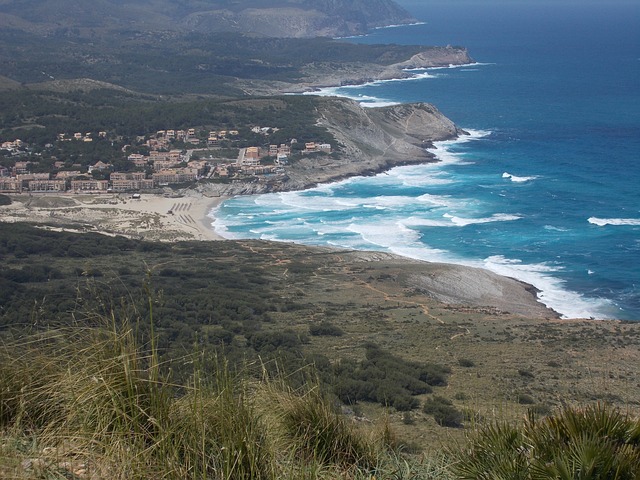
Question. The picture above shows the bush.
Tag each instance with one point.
(320, 433)
(5, 200)
(443, 411)
(325, 329)
(386, 379)
(525, 373)
(591, 443)
(465, 362)
(526, 399)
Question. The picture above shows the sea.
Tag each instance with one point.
(546, 186)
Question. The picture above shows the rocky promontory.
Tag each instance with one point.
(370, 141)
(317, 75)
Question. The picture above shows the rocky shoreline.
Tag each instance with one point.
(319, 75)
(373, 140)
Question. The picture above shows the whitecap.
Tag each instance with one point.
(497, 217)
(385, 234)
(437, 200)
(601, 222)
(555, 229)
(513, 178)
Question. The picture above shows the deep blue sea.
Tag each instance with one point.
(547, 187)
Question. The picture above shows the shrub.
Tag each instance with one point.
(593, 442)
(386, 379)
(325, 329)
(320, 433)
(525, 373)
(443, 411)
(465, 362)
(526, 399)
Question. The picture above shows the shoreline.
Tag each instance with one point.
(149, 219)
(153, 217)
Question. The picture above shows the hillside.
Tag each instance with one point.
(498, 351)
(279, 18)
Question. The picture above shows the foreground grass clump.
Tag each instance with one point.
(93, 403)
(595, 442)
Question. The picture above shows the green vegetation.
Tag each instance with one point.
(79, 402)
(175, 64)
(443, 411)
(247, 308)
(386, 379)
(83, 402)
(214, 302)
(37, 117)
(588, 443)
(326, 328)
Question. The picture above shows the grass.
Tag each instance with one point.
(94, 403)
(46, 378)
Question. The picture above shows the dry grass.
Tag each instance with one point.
(92, 403)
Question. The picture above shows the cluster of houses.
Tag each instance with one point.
(166, 170)
(82, 137)
(162, 166)
(164, 138)
(13, 146)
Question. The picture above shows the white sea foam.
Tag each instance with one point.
(601, 222)
(513, 178)
(556, 229)
(372, 102)
(437, 200)
(497, 217)
(350, 91)
(385, 234)
(462, 66)
(400, 25)
(442, 149)
(414, 221)
(421, 178)
(552, 290)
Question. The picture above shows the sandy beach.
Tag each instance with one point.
(150, 217)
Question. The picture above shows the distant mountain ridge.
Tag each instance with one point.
(277, 18)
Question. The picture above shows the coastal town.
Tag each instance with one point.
(163, 159)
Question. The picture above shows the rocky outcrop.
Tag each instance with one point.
(318, 75)
(437, 57)
(371, 140)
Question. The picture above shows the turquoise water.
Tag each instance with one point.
(546, 189)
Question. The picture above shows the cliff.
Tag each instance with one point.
(371, 140)
(320, 74)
